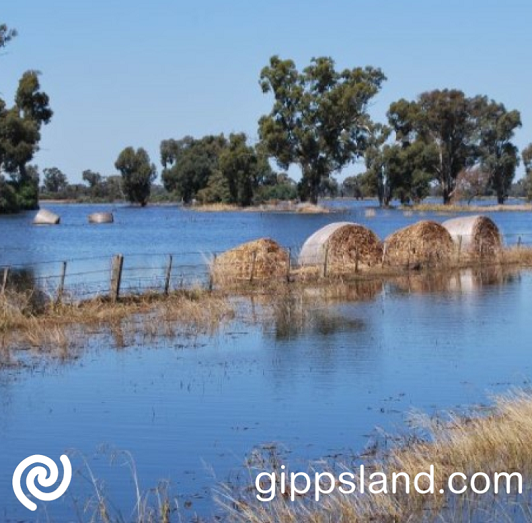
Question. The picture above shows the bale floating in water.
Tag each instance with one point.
(476, 235)
(345, 245)
(101, 217)
(45, 217)
(262, 259)
(423, 243)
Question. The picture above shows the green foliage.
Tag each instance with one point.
(138, 173)
(527, 161)
(359, 186)
(216, 191)
(6, 34)
(189, 163)
(498, 156)
(319, 118)
(55, 181)
(446, 121)
(19, 140)
(280, 187)
(8, 197)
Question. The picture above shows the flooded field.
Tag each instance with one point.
(317, 374)
(296, 379)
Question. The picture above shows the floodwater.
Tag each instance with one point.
(311, 378)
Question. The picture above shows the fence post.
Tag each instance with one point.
(326, 260)
(481, 250)
(288, 265)
(253, 260)
(116, 276)
(211, 274)
(459, 248)
(61, 287)
(4, 280)
(356, 259)
(519, 242)
(408, 259)
(168, 275)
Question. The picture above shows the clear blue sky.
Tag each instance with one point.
(125, 73)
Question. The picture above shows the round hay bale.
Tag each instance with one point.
(101, 217)
(476, 235)
(345, 244)
(422, 243)
(45, 217)
(262, 259)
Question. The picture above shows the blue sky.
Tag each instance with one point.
(125, 73)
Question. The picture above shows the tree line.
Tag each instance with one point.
(442, 142)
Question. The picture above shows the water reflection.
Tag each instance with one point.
(462, 281)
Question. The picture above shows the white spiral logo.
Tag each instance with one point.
(45, 478)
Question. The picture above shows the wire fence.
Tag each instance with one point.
(77, 279)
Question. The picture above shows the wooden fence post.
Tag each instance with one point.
(211, 274)
(356, 259)
(253, 260)
(61, 287)
(288, 265)
(519, 242)
(4, 280)
(116, 276)
(326, 261)
(168, 276)
(459, 248)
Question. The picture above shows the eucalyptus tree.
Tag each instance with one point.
(446, 121)
(138, 173)
(499, 157)
(319, 119)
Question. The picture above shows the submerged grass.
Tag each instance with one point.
(61, 326)
(497, 442)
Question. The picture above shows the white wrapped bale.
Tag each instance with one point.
(476, 235)
(345, 244)
(101, 217)
(45, 217)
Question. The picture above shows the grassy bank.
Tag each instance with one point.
(499, 441)
(51, 326)
(463, 208)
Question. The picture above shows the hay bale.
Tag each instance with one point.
(476, 235)
(423, 243)
(101, 217)
(343, 243)
(262, 259)
(45, 217)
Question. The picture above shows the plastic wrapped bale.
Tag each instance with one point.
(46, 217)
(475, 235)
(423, 243)
(101, 217)
(258, 260)
(345, 245)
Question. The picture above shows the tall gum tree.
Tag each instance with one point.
(319, 118)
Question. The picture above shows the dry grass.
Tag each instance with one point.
(344, 247)
(453, 208)
(497, 442)
(420, 244)
(259, 260)
(152, 315)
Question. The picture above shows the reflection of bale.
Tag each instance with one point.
(101, 217)
(261, 259)
(477, 235)
(45, 217)
(345, 244)
(465, 281)
(425, 242)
